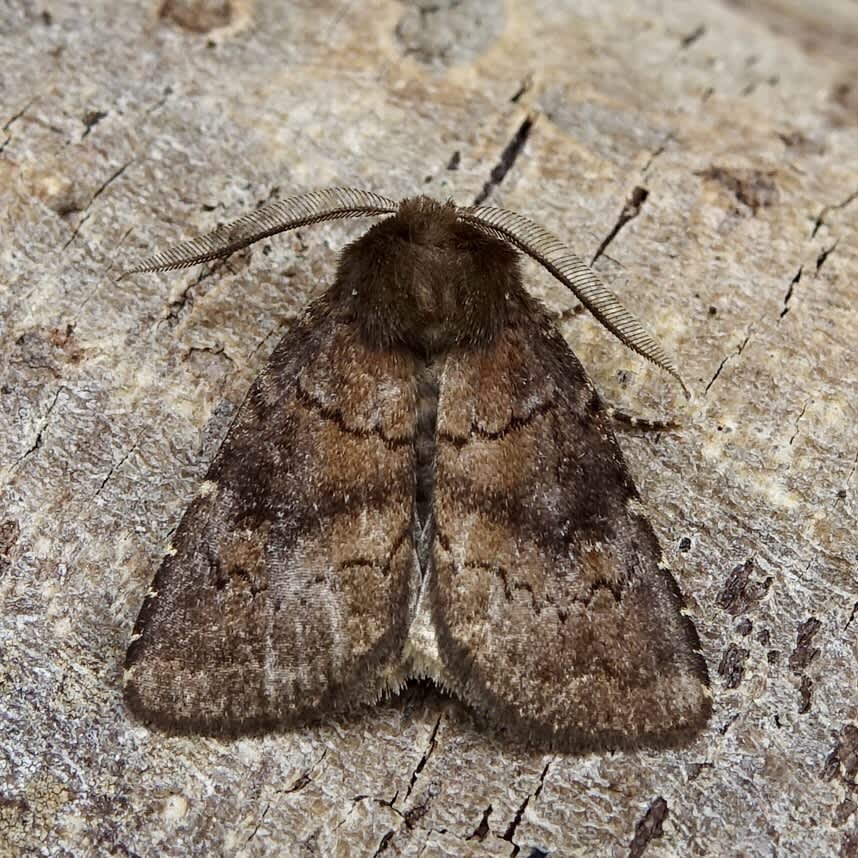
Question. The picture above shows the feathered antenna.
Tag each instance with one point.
(574, 273)
(291, 213)
(335, 203)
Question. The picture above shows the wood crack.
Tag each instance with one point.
(38, 441)
(507, 159)
(739, 349)
(648, 828)
(791, 288)
(824, 254)
(694, 36)
(631, 209)
(430, 749)
(12, 120)
(820, 218)
(115, 467)
(509, 834)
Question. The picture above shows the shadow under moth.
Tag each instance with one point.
(421, 482)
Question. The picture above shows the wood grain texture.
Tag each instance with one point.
(123, 130)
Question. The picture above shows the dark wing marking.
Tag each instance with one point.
(289, 588)
(553, 611)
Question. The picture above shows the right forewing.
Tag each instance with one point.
(554, 612)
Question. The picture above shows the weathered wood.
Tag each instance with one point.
(730, 139)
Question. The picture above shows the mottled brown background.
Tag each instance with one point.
(126, 126)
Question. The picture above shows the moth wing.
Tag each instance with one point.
(552, 608)
(288, 588)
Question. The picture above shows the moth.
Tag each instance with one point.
(421, 482)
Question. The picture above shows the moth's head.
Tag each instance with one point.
(428, 280)
(427, 277)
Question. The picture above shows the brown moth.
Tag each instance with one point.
(421, 482)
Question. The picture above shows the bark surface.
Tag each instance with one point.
(706, 154)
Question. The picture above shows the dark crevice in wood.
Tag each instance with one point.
(508, 157)
(430, 748)
(820, 218)
(790, 289)
(649, 827)
(523, 89)
(739, 349)
(482, 830)
(824, 254)
(509, 834)
(695, 35)
(630, 211)
(383, 844)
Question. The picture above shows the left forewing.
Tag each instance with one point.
(287, 591)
